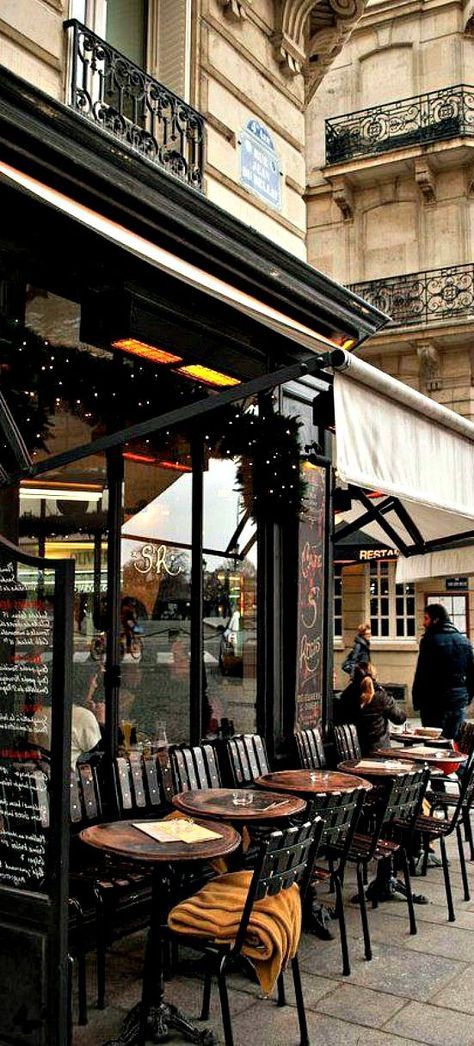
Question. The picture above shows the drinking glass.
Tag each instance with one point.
(127, 726)
(242, 798)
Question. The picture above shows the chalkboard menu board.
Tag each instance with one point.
(309, 657)
(36, 604)
(26, 631)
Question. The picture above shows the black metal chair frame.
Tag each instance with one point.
(285, 857)
(395, 814)
(340, 812)
(248, 758)
(346, 742)
(432, 827)
(310, 749)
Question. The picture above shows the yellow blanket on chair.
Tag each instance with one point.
(273, 932)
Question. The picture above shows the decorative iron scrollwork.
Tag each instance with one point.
(115, 94)
(432, 117)
(421, 297)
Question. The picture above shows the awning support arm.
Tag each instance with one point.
(411, 527)
(14, 438)
(379, 517)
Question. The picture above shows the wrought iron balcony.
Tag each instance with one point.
(119, 97)
(422, 297)
(431, 117)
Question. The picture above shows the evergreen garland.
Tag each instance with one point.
(110, 390)
(267, 448)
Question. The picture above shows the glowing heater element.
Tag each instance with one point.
(146, 459)
(146, 352)
(207, 376)
(68, 492)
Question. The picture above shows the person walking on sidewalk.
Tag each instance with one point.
(360, 653)
(443, 684)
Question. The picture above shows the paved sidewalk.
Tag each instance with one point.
(416, 989)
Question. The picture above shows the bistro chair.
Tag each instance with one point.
(435, 828)
(310, 749)
(346, 742)
(194, 767)
(395, 815)
(340, 812)
(285, 858)
(120, 890)
(248, 759)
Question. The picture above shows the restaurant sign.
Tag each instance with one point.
(459, 584)
(260, 167)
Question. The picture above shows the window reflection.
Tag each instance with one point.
(156, 595)
(230, 601)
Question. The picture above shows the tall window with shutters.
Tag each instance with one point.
(155, 34)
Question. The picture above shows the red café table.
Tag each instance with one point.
(445, 760)
(153, 1017)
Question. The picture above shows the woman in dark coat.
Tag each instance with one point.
(360, 653)
(366, 703)
(444, 678)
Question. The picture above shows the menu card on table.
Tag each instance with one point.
(388, 764)
(176, 831)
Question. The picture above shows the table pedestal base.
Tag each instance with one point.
(161, 1020)
(385, 890)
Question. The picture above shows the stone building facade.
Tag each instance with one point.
(391, 213)
(234, 60)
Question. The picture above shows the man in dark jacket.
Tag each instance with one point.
(444, 678)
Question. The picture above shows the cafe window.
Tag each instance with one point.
(338, 591)
(392, 606)
(156, 592)
(230, 605)
(456, 605)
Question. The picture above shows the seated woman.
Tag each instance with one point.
(366, 703)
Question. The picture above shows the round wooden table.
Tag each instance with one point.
(409, 737)
(311, 782)
(153, 1017)
(218, 802)
(378, 768)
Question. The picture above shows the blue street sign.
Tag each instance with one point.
(260, 164)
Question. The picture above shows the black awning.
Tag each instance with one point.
(359, 547)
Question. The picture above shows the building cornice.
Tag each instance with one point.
(310, 34)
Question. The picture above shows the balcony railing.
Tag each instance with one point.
(422, 297)
(397, 125)
(119, 97)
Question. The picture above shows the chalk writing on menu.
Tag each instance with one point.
(309, 666)
(25, 636)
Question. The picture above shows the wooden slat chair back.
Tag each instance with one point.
(139, 785)
(248, 758)
(346, 742)
(86, 799)
(284, 858)
(194, 767)
(310, 749)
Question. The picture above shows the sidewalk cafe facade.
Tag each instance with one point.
(168, 381)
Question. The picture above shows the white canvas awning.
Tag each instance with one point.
(419, 458)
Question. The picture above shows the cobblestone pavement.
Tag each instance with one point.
(415, 989)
